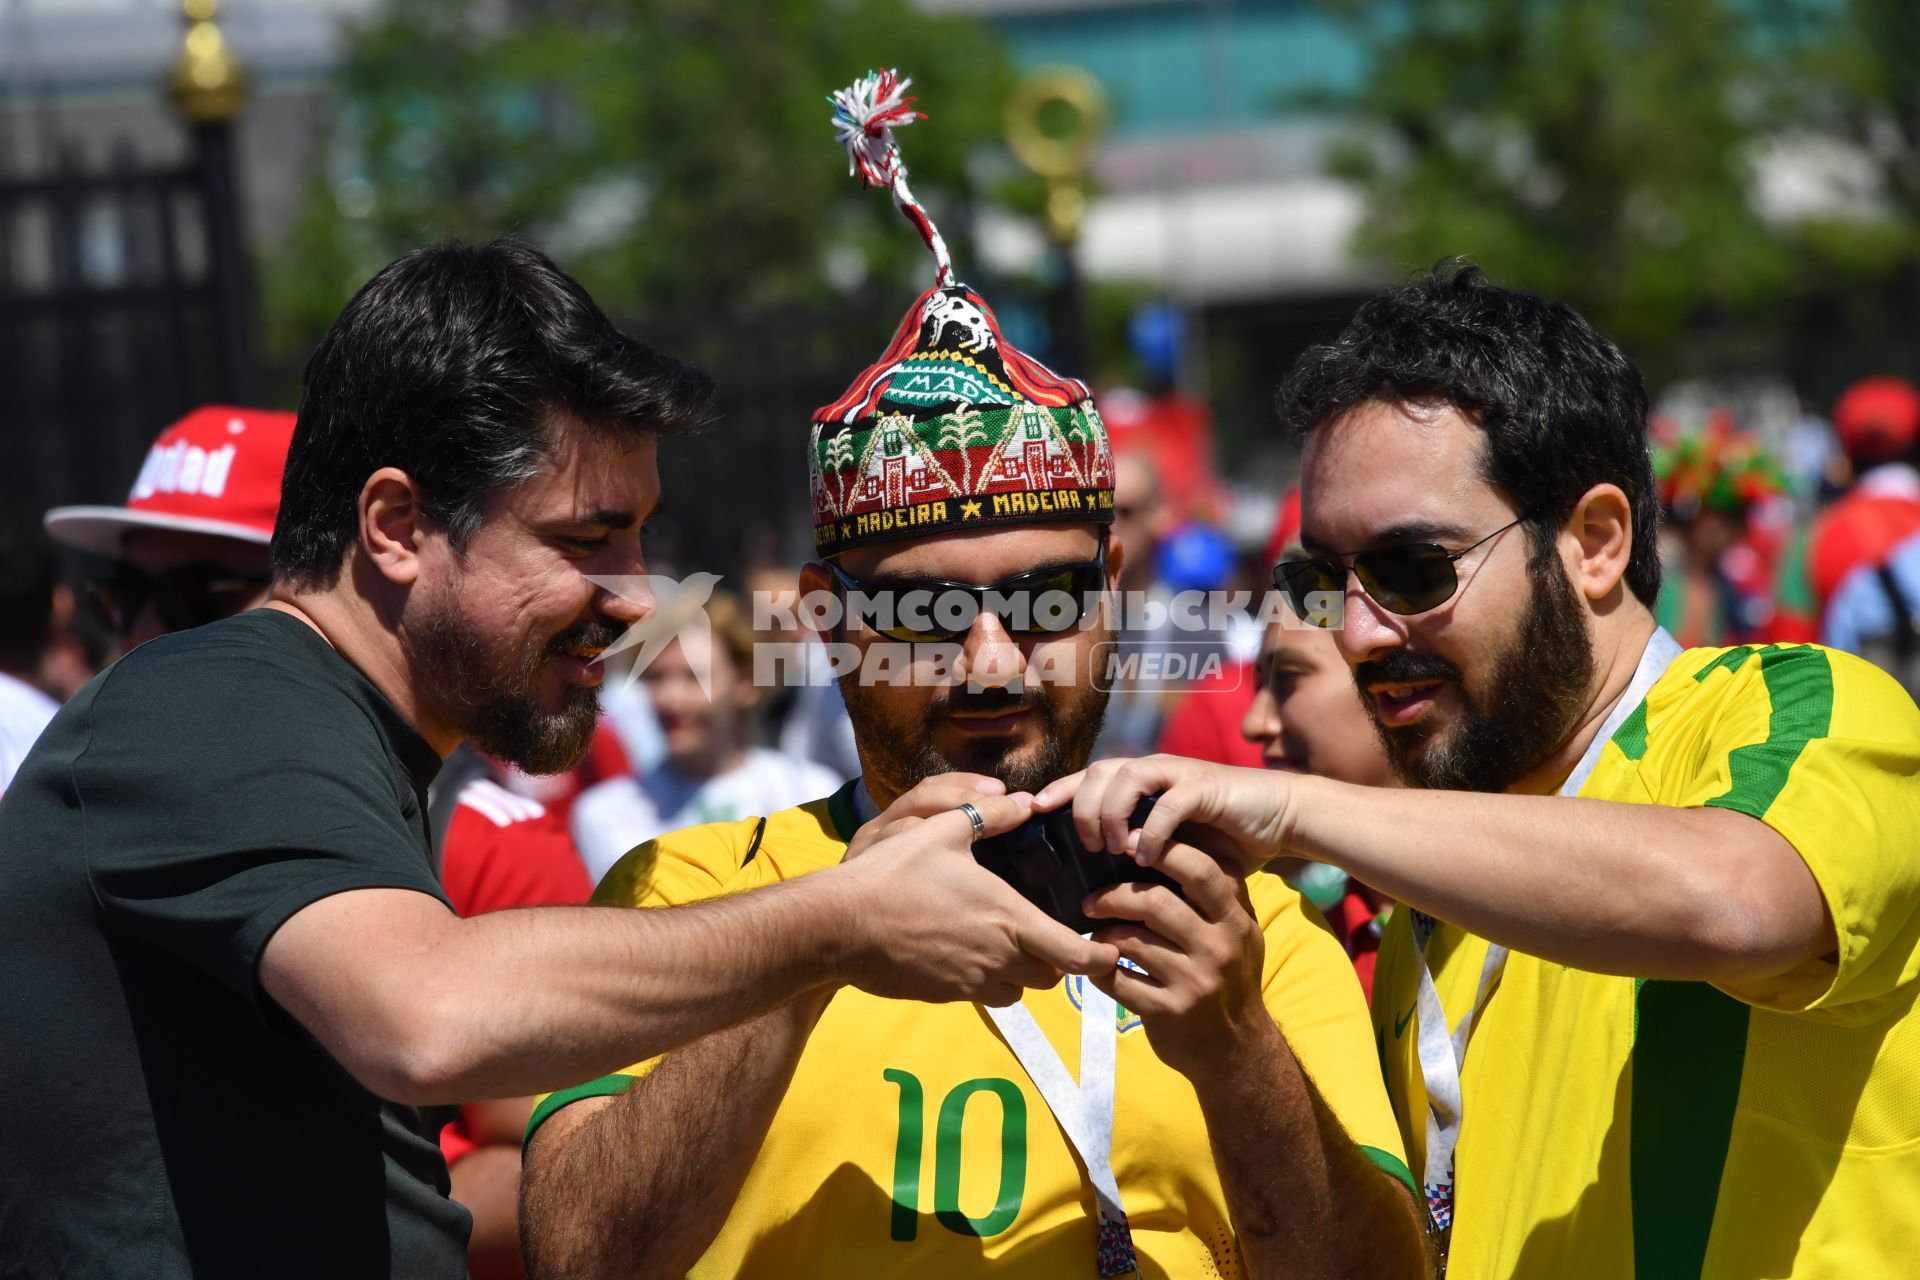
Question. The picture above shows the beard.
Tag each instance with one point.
(899, 752)
(488, 688)
(1535, 691)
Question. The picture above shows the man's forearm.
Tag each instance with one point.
(1648, 890)
(637, 982)
(539, 998)
(1304, 1200)
(642, 1186)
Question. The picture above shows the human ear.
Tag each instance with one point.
(1116, 559)
(390, 525)
(1601, 529)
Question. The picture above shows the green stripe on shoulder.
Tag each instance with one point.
(840, 809)
(605, 1087)
(1394, 1166)
(1799, 684)
(1689, 1049)
(1631, 736)
(1732, 660)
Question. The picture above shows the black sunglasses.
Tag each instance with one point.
(1407, 579)
(1038, 602)
(189, 596)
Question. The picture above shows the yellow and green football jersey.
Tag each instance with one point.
(912, 1143)
(1617, 1128)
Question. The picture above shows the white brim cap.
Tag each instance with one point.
(103, 530)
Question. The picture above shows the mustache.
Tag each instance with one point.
(1404, 668)
(592, 633)
(987, 702)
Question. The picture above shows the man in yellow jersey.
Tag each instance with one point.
(1221, 1118)
(1699, 1056)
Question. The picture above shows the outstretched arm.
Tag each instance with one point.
(1706, 894)
(424, 1007)
(640, 1184)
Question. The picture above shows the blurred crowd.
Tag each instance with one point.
(1813, 538)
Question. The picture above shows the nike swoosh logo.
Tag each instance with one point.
(1400, 1024)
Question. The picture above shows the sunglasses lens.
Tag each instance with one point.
(1045, 602)
(1314, 589)
(1407, 580)
(912, 615)
(1055, 602)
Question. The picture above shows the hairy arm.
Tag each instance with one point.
(1304, 1200)
(639, 1185)
(1705, 894)
(423, 1007)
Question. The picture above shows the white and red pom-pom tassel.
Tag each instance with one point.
(865, 114)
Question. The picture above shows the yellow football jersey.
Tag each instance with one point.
(912, 1143)
(1616, 1128)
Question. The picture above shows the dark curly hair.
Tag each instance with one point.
(1562, 408)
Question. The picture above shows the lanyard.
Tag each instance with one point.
(1084, 1111)
(1441, 1053)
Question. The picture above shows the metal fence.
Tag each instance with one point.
(123, 303)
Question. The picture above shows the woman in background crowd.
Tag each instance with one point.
(712, 772)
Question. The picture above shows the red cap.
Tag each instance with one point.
(1877, 419)
(216, 471)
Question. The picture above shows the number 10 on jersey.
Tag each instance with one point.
(910, 1148)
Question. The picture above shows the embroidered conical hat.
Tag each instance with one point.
(951, 428)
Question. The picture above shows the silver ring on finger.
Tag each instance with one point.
(973, 816)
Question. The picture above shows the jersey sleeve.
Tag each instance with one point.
(1824, 748)
(1310, 989)
(670, 870)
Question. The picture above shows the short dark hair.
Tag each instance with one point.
(449, 364)
(1562, 408)
(28, 577)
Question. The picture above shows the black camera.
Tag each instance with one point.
(1044, 859)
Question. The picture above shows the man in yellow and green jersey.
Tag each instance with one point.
(1649, 1010)
(1208, 1107)
(1751, 1131)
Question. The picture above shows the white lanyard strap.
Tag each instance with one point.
(1441, 1053)
(1084, 1111)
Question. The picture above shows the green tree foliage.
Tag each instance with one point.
(676, 154)
(1857, 304)
(1608, 152)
